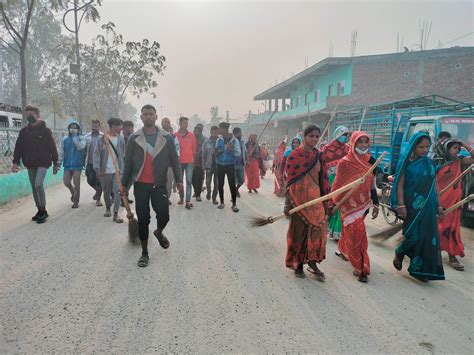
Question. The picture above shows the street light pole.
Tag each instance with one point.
(78, 63)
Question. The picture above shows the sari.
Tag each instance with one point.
(252, 173)
(306, 237)
(420, 228)
(277, 161)
(332, 153)
(449, 227)
(353, 206)
(286, 155)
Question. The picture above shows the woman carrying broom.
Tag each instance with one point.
(450, 165)
(252, 173)
(333, 153)
(354, 204)
(277, 171)
(307, 180)
(415, 198)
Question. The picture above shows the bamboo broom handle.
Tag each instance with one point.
(459, 204)
(333, 114)
(464, 173)
(114, 163)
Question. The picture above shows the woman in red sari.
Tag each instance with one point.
(354, 204)
(450, 165)
(307, 180)
(252, 173)
(277, 171)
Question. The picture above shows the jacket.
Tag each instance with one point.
(101, 155)
(72, 152)
(36, 147)
(243, 159)
(91, 147)
(187, 147)
(225, 156)
(208, 154)
(164, 156)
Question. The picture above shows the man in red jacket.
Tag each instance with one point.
(187, 150)
(36, 148)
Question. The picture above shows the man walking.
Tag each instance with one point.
(127, 130)
(36, 148)
(92, 138)
(166, 125)
(150, 152)
(187, 150)
(71, 157)
(227, 150)
(198, 171)
(241, 162)
(209, 163)
(104, 168)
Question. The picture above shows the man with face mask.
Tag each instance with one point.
(36, 148)
(72, 154)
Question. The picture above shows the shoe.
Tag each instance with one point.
(95, 197)
(75, 205)
(188, 206)
(456, 264)
(363, 278)
(198, 198)
(107, 213)
(235, 209)
(221, 206)
(98, 203)
(299, 273)
(35, 217)
(143, 261)
(398, 262)
(43, 217)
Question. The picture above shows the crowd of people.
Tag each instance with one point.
(157, 162)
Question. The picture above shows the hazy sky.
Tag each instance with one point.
(225, 52)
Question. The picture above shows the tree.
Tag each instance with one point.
(17, 18)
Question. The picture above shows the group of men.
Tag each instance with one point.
(154, 160)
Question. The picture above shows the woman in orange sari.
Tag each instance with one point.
(252, 173)
(277, 171)
(354, 204)
(307, 180)
(450, 165)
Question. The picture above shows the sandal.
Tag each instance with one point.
(164, 242)
(456, 264)
(188, 206)
(117, 219)
(339, 254)
(313, 268)
(235, 209)
(299, 273)
(363, 278)
(143, 261)
(398, 262)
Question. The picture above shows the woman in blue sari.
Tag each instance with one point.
(415, 198)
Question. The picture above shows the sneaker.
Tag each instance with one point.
(221, 206)
(235, 209)
(43, 217)
(35, 217)
(143, 261)
(198, 198)
(76, 205)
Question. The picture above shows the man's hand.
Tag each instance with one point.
(375, 212)
(402, 212)
(229, 146)
(180, 187)
(15, 168)
(55, 169)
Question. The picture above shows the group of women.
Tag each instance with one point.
(303, 173)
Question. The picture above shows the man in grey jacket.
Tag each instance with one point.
(104, 168)
(150, 151)
(209, 164)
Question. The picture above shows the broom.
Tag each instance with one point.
(263, 221)
(132, 221)
(326, 128)
(390, 232)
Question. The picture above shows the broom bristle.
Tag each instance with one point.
(387, 233)
(260, 221)
(133, 230)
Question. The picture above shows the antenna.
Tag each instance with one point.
(353, 42)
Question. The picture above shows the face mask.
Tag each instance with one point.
(360, 151)
(342, 139)
(73, 131)
(31, 119)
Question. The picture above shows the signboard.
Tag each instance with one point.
(458, 120)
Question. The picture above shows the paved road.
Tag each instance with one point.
(72, 285)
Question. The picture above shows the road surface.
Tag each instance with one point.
(73, 285)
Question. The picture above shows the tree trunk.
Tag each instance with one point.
(24, 98)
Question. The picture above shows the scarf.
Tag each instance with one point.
(299, 163)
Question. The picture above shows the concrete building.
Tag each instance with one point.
(352, 82)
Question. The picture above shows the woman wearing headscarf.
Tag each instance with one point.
(450, 166)
(333, 153)
(295, 142)
(354, 205)
(415, 198)
(277, 171)
(307, 180)
(252, 173)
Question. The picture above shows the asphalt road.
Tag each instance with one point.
(72, 285)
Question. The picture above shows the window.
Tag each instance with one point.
(421, 126)
(317, 96)
(340, 88)
(330, 89)
(4, 121)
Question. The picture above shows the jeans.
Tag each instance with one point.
(239, 175)
(188, 169)
(159, 201)
(222, 171)
(211, 174)
(198, 179)
(37, 176)
(75, 177)
(109, 185)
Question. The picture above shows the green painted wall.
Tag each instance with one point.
(13, 186)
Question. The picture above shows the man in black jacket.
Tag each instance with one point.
(150, 151)
(36, 148)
